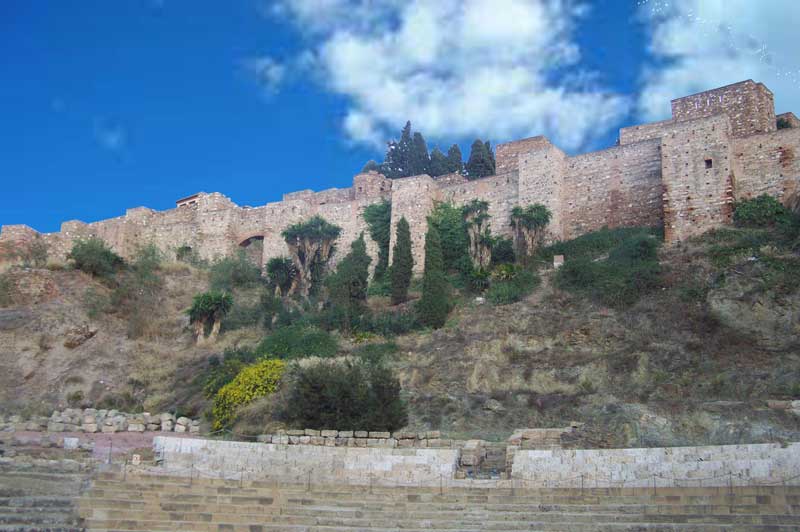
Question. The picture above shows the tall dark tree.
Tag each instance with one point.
(434, 306)
(397, 162)
(379, 222)
(455, 162)
(402, 262)
(439, 163)
(348, 284)
(420, 161)
(480, 161)
(490, 151)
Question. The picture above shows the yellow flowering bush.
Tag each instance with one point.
(257, 380)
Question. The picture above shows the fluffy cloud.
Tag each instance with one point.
(268, 72)
(702, 44)
(456, 68)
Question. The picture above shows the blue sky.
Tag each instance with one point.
(107, 105)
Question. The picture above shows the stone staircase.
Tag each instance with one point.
(39, 489)
(151, 502)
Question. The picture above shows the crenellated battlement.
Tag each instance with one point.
(719, 146)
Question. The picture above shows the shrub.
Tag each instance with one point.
(479, 280)
(299, 341)
(311, 244)
(375, 354)
(233, 272)
(502, 251)
(94, 303)
(253, 382)
(348, 284)
(379, 221)
(347, 396)
(783, 123)
(631, 270)
(242, 316)
(93, 256)
(763, 211)
(34, 255)
(222, 371)
(453, 237)
(389, 324)
(593, 245)
(511, 285)
(208, 309)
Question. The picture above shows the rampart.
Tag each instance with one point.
(684, 173)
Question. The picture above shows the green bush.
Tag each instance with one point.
(631, 270)
(763, 211)
(253, 382)
(435, 303)
(502, 251)
(379, 217)
(389, 324)
(346, 396)
(454, 240)
(375, 354)
(595, 244)
(281, 272)
(94, 303)
(222, 370)
(299, 341)
(233, 272)
(479, 280)
(402, 263)
(242, 316)
(511, 285)
(93, 256)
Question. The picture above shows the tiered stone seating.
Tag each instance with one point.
(40, 494)
(151, 502)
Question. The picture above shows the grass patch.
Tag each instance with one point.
(299, 341)
(595, 244)
(504, 292)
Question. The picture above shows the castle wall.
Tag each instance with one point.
(500, 191)
(749, 105)
(541, 180)
(697, 171)
(768, 164)
(507, 155)
(653, 130)
(413, 198)
(617, 187)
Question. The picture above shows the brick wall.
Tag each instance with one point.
(617, 187)
(749, 105)
(541, 180)
(697, 172)
(768, 164)
(507, 155)
(413, 198)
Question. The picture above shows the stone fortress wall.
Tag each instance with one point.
(685, 173)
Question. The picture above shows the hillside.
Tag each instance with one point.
(694, 360)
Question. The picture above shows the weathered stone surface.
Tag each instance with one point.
(380, 435)
(77, 336)
(329, 433)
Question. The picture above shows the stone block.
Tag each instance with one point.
(185, 421)
(264, 438)
(345, 433)
(166, 426)
(153, 427)
(317, 440)
(90, 428)
(109, 429)
(180, 428)
(71, 444)
(55, 427)
(294, 440)
(305, 440)
(297, 432)
(379, 435)
(405, 443)
(433, 435)
(330, 442)
(194, 429)
(361, 434)
(308, 432)
(136, 427)
(361, 442)
(329, 433)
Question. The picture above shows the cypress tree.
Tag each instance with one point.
(480, 161)
(434, 305)
(455, 163)
(348, 285)
(397, 162)
(402, 263)
(419, 161)
(490, 152)
(439, 163)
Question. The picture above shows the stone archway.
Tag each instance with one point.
(253, 247)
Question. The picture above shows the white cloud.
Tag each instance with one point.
(710, 43)
(458, 69)
(268, 72)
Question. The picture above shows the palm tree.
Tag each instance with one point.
(209, 307)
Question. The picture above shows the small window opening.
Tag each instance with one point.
(709, 163)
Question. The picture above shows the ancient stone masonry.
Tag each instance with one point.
(720, 146)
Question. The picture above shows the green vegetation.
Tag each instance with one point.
(503, 251)
(379, 222)
(253, 382)
(529, 224)
(34, 254)
(476, 220)
(481, 160)
(595, 244)
(409, 156)
(402, 263)
(222, 371)
(7, 288)
(280, 273)
(376, 354)
(435, 305)
(347, 286)
(209, 308)
(311, 246)
(349, 396)
(299, 341)
(137, 292)
(763, 211)
(448, 220)
(229, 273)
(95, 257)
(510, 284)
(783, 123)
(631, 270)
